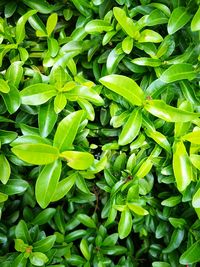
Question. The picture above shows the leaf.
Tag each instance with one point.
(3, 197)
(86, 220)
(137, 209)
(195, 159)
(88, 107)
(125, 87)
(145, 61)
(59, 103)
(46, 118)
(126, 23)
(147, 36)
(20, 26)
(41, 5)
(178, 72)
(195, 24)
(78, 160)
(63, 187)
(47, 182)
(38, 258)
(85, 249)
(114, 57)
(12, 99)
(44, 216)
(14, 73)
(131, 128)
(5, 169)
(44, 245)
(21, 232)
(98, 25)
(193, 137)
(125, 224)
(161, 110)
(69, 125)
(4, 87)
(182, 166)
(38, 154)
(159, 138)
(37, 94)
(51, 23)
(191, 255)
(178, 19)
(14, 186)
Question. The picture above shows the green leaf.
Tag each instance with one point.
(44, 245)
(196, 199)
(178, 19)
(78, 160)
(5, 169)
(125, 224)
(156, 17)
(85, 249)
(171, 201)
(20, 261)
(178, 72)
(195, 24)
(195, 159)
(12, 99)
(47, 182)
(38, 258)
(191, 255)
(126, 23)
(88, 107)
(20, 245)
(149, 36)
(193, 137)
(20, 26)
(159, 138)
(14, 186)
(69, 125)
(131, 128)
(98, 25)
(160, 264)
(37, 94)
(125, 87)
(59, 103)
(41, 5)
(44, 216)
(161, 110)
(51, 23)
(110, 240)
(46, 118)
(127, 45)
(21, 232)
(145, 61)
(182, 166)
(63, 187)
(14, 73)
(3, 197)
(86, 220)
(137, 209)
(4, 87)
(38, 154)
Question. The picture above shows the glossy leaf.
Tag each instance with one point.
(98, 26)
(191, 255)
(125, 87)
(78, 160)
(125, 224)
(147, 36)
(131, 128)
(45, 244)
(47, 182)
(69, 125)
(178, 19)
(4, 87)
(39, 154)
(182, 166)
(51, 23)
(5, 169)
(195, 24)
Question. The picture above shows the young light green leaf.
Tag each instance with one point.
(69, 125)
(137, 209)
(145, 61)
(127, 45)
(12, 99)
(60, 102)
(5, 169)
(51, 23)
(178, 72)
(149, 36)
(38, 154)
(20, 26)
(125, 87)
(195, 159)
(86, 220)
(196, 199)
(126, 23)
(14, 73)
(85, 249)
(46, 183)
(178, 19)
(78, 160)
(193, 137)
(125, 223)
(98, 25)
(131, 128)
(38, 258)
(4, 87)
(159, 138)
(161, 110)
(195, 24)
(182, 166)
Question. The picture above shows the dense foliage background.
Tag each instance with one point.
(99, 133)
